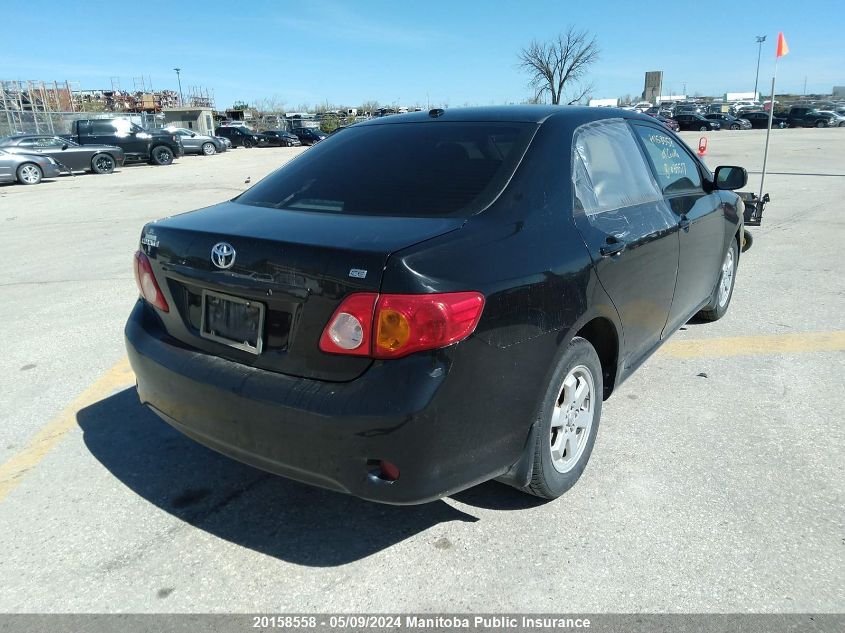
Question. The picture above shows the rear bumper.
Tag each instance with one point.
(412, 412)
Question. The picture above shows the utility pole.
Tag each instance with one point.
(179, 79)
(760, 40)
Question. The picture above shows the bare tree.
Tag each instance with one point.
(559, 64)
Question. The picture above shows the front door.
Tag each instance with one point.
(629, 230)
(698, 214)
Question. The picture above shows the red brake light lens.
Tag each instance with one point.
(392, 326)
(411, 323)
(147, 285)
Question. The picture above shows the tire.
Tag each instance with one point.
(29, 174)
(734, 127)
(720, 300)
(161, 155)
(821, 124)
(208, 149)
(703, 128)
(248, 144)
(102, 164)
(555, 469)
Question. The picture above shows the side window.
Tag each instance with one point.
(614, 188)
(99, 128)
(29, 142)
(675, 169)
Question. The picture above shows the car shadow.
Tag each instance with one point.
(235, 502)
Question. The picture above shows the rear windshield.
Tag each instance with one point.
(409, 169)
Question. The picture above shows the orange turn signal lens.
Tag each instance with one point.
(393, 330)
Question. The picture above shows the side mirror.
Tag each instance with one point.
(193, 134)
(730, 178)
(64, 147)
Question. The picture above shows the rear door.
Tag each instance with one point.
(698, 214)
(629, 230)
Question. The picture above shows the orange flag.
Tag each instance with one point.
(783, 49)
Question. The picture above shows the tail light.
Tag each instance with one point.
(147, 285)
(392, 326)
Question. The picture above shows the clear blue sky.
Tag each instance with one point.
(407, 52)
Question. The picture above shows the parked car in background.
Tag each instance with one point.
(285, 138)
(760, 120)
(309, 136)
(156, 146)
(729, 122)
(27, 169)
(415, 344)
(197, 143)
(691, 121)
(836, 119)
(226, 142)
(240, 136)
(808, 116)
(672, 124)
(688, 108)
(100, 159)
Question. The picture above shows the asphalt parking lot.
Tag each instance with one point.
(716, 484)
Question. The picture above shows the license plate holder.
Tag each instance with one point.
(232, 321)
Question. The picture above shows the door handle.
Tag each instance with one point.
(613, 247)
(684, 223)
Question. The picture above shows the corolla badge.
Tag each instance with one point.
(223, 255)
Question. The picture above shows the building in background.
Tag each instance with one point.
(201, 120)
(653, 86)
(603, 103)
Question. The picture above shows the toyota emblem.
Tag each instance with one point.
(223, 255)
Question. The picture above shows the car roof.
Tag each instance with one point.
(514, 114)
(18, 136)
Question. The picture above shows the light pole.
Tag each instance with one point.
(179, 79)
(760, 40)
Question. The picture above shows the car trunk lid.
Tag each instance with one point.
(297, 265)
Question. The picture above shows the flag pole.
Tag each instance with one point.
(769, 128)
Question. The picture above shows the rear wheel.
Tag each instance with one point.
(102, 164)
(208, 149)
(161, 155)
(820, 123)
(568, 421)
(703, 128)
(248, 143)
(735, 126)
(29, 174)
(721, 297)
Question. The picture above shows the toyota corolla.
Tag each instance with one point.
(433, 300)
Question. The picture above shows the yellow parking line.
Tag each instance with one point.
(756, 345)
(12, 472)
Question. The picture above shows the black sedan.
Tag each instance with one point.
(729, 122)
(456, 316)
(689, 121)
(283, 138)
(100, 159)
(760, 120)
(309, 136)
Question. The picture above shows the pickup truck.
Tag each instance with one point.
(155, 146)
(805, 116)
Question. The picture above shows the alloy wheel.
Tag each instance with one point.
(30, 174)
(572, 418)
(726, 279)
